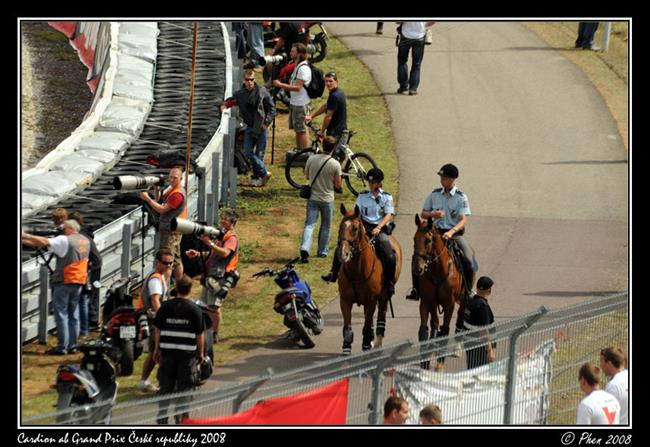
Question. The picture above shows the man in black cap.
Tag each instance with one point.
(449, 207)
(479, 349)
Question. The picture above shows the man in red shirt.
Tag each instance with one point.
(173, 205)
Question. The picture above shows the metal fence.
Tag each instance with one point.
(533, 379)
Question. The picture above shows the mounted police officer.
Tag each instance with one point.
(449, 206)
(376, 206)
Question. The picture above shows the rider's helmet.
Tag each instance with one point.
(448, 170)
(375, 175)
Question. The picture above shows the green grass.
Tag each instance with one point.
(270, 227)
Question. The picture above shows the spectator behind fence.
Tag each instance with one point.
(431, 415)
(89, 299)
(69, 277)
(613, 363)
(396, 411)
(598, 407)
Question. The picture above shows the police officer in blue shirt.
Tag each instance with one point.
(377, 212)
(449, 207)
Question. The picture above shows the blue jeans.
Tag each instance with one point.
(326, 209)
(255, 37)
(586, 32)
(405, 80)
(84, 305)
(66, 314)
(256, 157)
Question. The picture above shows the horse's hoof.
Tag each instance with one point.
(367, 347)
(379, 342)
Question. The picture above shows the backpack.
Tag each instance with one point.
(316, 87)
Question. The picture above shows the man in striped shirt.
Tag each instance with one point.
(179, 343)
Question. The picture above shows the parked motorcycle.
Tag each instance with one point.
(124, 327)
(91, 388)
(301, 313)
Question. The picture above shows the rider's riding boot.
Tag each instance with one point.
(413, 295)
(389, 277)
(334, 273)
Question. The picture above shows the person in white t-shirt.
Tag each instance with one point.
(613, 362)
(411, 39)
(598, 407)
(300, 102)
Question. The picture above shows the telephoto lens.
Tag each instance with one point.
(195, 229)
(135, 181)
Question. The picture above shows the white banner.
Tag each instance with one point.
(477, 396)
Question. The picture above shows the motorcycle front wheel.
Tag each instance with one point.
(320, 48)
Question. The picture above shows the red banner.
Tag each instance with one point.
(324, 406)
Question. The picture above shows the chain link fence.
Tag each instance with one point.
(532, 380)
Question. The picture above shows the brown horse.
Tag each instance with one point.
(440, 283)
(361, 279)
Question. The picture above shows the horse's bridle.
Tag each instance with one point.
(354, 250)
(428, 260)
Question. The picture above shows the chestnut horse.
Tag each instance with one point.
(361, 279)
(440, 283)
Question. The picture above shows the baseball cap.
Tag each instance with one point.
(449, 170)
(484, 283)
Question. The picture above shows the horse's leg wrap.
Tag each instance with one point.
(381, 328)
(348, 338)
(368, 337)
(423, 333)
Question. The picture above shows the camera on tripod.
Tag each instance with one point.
(196, 229)
(138, 181)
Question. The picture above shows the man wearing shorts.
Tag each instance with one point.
(173, 205)
(300, 103)
(221, 262)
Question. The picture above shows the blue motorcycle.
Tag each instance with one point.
(301, 313)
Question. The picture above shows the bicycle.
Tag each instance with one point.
(354, 171)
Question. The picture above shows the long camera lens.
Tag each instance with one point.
(193, 228)
(135, 181)
(272, 59)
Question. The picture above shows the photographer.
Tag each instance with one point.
(72, 250)
(220, 271)
(173, 205)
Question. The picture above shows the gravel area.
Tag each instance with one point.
(54, 93)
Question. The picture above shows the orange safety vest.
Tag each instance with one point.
(181, 211)
(73, 267)
(216, 264)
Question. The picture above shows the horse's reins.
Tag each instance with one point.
(428, 260)
(356, 250)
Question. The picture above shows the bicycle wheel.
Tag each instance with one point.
(294, 169)
(355, 172)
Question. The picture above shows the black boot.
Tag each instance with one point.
(413, 295)
(334, 273)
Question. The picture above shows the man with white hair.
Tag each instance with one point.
(71, 250)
